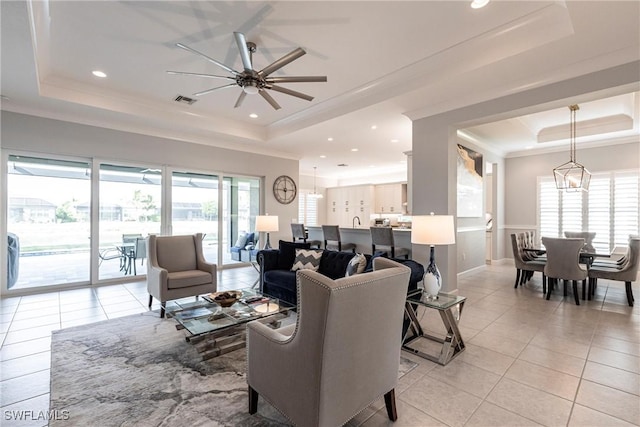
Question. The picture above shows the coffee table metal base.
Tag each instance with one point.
(452, 344)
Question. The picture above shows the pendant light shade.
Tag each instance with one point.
(572, 176)
(315, 194)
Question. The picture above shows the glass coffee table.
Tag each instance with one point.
(215, 330)
(452, 343)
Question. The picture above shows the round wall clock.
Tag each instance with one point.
(284, 189)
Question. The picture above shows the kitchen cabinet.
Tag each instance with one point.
(390, 198)
(344, 203)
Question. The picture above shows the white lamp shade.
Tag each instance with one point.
(266, 223)
(432, 230)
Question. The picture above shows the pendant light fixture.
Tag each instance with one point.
(315, 194)
(572, 176)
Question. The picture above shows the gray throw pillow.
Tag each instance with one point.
(307, 259)
(241, 242)
(356, 265)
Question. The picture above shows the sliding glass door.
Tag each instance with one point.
(130, 209)
(241, 205)
(50, 208)
(194, 209)
(48, 221)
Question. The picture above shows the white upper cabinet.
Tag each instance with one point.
(390, 198)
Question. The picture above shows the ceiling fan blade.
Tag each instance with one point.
(296, 79)
(290, 57)
(243, 94)
(209, 76)
(269, 99)
(204, 92)
(244, 51)
(290, 92)
(218, 63)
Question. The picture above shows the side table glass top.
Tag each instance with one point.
(444, 300)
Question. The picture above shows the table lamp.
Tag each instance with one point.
(432, 230)
(266, 224)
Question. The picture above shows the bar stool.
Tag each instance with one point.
(332, 234)
(383, 236)
(299, 234)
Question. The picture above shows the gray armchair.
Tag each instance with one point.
(341, 355)
(563, 262)
(176, 268)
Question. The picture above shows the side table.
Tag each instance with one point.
(452, 344)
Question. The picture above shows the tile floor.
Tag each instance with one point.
(528, 361)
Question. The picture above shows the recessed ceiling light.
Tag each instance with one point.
(322, 156)
(253, 115)
(329, 139)
(477, 4)
(354, 149)
(394, 140)
(374, 127)
(99, 73)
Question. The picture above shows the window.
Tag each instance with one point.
(610, 208)
(307, 208)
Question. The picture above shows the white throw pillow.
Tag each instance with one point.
(307, 259)
(357, 265)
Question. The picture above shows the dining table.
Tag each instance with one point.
(586, 258)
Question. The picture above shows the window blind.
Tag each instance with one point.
(610, 208)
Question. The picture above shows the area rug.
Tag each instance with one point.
(139, 371)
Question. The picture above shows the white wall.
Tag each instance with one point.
(45, 136)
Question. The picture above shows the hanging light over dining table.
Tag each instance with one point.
(572, 176)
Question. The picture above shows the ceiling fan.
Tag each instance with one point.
(250, 80)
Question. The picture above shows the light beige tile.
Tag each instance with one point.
(485, 358)
(627, 333)
(615, 344)
(499, 343)
(575, 332)
(612, 377)
(610, 401)
(615, 359)
(519, 332)
(489, 414)
(560, 345)
(441, 401)
(582, 416)
(464, 376)
(531, 403)
(408, 416)
(557, 361)
(545, 379)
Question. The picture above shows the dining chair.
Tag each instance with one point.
(627, 272)
(333, 240)
(563, 262)
(383, 236)
(300, 235)
(525, 268)
(586, 235)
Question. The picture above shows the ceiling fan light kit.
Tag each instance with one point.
(251, 81)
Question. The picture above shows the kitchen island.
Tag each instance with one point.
(361, 236)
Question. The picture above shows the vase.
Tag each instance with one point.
(432, 278)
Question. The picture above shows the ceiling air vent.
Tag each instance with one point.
(185, 99)
(343, 165)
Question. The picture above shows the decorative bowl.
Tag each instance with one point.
(225, 298)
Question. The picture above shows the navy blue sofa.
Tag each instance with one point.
(278, 281)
